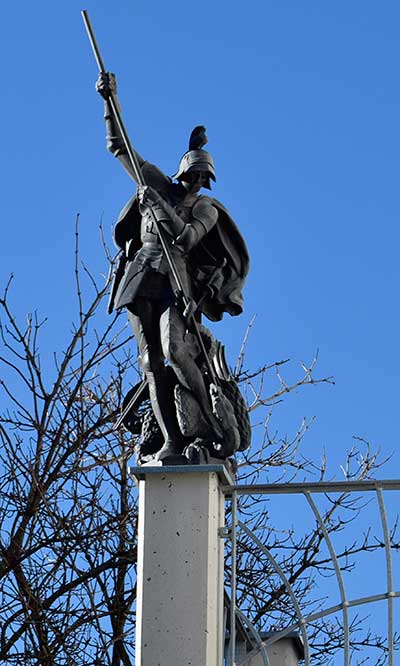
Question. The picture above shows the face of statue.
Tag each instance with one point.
(194, 180)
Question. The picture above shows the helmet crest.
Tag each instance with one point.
(197, 159)
(198, 138)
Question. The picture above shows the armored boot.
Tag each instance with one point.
(163, 405)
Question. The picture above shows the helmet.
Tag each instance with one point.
(197, 159)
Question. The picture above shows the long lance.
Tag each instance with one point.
(133, 158)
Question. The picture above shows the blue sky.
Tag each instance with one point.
(301, 103)
(301, 106)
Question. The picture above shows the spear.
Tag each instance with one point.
(141, 181)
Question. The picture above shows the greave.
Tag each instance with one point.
(163, 404)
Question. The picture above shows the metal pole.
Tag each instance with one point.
(389, 574)
(113, 103)
(232, 641)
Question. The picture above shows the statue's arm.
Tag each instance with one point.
(185, 235)
(107, 84)
(204, 217)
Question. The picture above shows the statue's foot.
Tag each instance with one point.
(168, 450)
(197, 453)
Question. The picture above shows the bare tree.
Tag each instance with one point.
(68, 509)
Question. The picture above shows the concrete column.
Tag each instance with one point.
(180, 566)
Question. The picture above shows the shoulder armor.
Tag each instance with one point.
(203, 211)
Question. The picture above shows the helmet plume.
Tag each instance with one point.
(198, 138)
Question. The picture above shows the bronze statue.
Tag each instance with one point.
(181, 256)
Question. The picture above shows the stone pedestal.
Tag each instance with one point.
(180, 565)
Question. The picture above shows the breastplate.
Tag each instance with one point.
(148, 232)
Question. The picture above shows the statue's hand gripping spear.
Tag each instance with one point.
(132, 156)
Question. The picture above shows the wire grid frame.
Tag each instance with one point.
(308, 490)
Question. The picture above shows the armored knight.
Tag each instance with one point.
(210, 257)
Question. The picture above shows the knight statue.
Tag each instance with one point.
(181, 257)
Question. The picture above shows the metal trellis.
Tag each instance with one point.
(303, 620)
